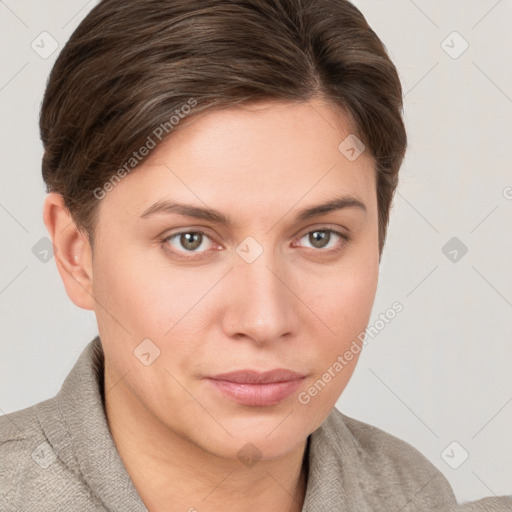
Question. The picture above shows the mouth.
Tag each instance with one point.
(257, 389)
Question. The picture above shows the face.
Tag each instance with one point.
(232, 271)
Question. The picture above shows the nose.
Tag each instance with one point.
(261, 307)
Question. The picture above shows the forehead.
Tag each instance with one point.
(255, 157)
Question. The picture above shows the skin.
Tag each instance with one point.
(296, 306)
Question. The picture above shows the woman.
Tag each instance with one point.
(220, 176)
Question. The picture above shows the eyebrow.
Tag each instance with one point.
(170, 207)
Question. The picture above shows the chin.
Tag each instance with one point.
(266, 440)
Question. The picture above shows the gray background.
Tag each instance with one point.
(441, 370)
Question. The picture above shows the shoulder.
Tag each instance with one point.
(494, 504)
(32, 477)
(383, 450)
(379, 449)
(20, 434)
(390, 470)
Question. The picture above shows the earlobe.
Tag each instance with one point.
(73, 253)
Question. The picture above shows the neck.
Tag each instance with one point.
(172, 473)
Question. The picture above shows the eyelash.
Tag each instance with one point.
(344, 239)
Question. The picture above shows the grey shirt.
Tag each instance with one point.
(59, 455)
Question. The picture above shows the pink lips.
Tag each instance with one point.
(249, 387)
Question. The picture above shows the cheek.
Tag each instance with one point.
(346, 301)
(129, 284)
(140, 298)
(345, 307)
(355, 301)
(130, 302)
(343, 295)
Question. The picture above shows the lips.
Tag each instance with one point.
(255, 377)
(253, 388)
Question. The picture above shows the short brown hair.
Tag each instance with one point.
(131, 64)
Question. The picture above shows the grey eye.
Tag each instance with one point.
(319, 239)
(191, 241)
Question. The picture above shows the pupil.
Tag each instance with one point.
(191, 240)
(319, 238)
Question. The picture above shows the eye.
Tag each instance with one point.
(325, 239)
(189, 241)
(198, 242)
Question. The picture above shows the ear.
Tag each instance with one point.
(73, 253)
